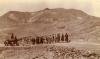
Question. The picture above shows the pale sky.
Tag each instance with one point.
(89, 6)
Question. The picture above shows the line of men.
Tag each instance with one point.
(54, 38)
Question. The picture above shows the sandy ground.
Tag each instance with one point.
(40, 51)
(86, 45)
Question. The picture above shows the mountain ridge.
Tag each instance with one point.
(77, 23)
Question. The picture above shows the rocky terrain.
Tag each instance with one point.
(78, 24)
(46, 52)
(81, 27)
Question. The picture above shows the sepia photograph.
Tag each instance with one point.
(49, 29)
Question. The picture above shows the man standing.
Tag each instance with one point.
(66, 37)
(62, 37)
(12, 36)
(58, 37)
(33, 41)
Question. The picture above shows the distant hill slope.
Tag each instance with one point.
(14, 17)
(77, 23)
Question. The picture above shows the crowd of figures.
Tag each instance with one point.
(46, 39)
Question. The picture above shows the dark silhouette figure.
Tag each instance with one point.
(33, 40)
(66, 37)
(62, 37)
(47, 40)
(37, 40)
(16, 41)
(53, 38)
(12, 36)
(58, 37)
(41, 40)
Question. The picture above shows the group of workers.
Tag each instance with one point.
(46, 39)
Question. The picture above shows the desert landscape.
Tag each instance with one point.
(82, 40)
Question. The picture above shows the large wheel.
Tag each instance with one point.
(6, 43)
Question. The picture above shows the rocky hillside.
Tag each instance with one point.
(76, 23)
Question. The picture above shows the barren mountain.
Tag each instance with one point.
(76, 23)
